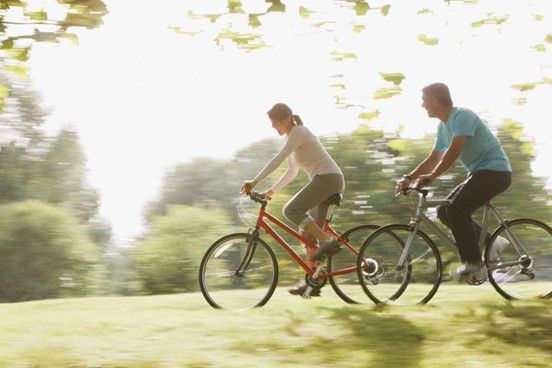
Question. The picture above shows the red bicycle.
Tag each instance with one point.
(240, 271)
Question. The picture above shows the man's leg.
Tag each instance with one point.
(480, 188)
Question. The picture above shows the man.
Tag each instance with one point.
(461, 135)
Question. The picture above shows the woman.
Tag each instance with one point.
(307, 208)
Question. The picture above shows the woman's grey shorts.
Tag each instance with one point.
(308, 204)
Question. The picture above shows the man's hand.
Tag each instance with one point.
(248, 186)
(402, 184)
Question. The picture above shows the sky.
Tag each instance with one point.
(144, 98)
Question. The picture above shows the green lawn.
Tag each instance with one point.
(462, 326)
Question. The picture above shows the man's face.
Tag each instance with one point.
(430, 104)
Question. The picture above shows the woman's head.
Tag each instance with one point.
(282, 118)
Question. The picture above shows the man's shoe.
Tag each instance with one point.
(325, 249)
(300, 287)
(470, 273)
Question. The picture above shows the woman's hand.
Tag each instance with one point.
(248, 186)
(268, 194)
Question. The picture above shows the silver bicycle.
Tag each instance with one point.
(517, 255)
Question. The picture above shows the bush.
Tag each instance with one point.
(168, 260)
(44, 253)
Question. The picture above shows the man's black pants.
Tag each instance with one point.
(479, 188)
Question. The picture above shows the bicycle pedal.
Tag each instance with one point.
(307, 293)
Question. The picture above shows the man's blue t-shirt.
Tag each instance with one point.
(482, 150)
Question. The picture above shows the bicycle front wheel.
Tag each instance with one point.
(345, 281)
(415, 282)
(221, 283)
(524, 273)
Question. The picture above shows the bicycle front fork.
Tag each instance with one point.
(251, 246)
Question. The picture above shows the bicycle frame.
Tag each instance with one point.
(488, 211)
(263, 223)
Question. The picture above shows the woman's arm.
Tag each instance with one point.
(295, 139)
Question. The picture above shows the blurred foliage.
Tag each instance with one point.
(45, 254)
(168, 260)
(50, 170)
(24, 23)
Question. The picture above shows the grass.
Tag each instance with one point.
(462, 326)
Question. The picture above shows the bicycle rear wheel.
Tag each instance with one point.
(415, 283)
(526, 275)
(224, 287)
(346, 285)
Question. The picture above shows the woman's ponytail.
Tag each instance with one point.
(297, 119)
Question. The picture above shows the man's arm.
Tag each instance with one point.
(426, 165)
(446, 162)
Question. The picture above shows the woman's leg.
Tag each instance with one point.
(312, 195)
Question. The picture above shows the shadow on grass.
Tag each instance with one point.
(390, 340)
(520, 325)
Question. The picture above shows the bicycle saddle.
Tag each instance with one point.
(334, 199)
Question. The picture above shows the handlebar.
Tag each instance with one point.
(423, 192)
(257, 197)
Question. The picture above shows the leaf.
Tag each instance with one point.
(427, 40)
(45, 36)
(361, 7)
(521, 101)
(7, 44)
(384, 93)
(395, 78)
(357, 28)
(540, 47)
(37, 15)
(369, 115)
(338, 85)
(525, 86)
(385, 10)
(82, 20)
(304, 12)
(425, 11)
(549, 38)
(340, 56)
(254, 20)
(489, 21)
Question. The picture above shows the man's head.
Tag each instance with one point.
(436, 99)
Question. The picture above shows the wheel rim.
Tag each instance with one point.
(532, 277)
(415, 283)
(224, 288)
(346, 286)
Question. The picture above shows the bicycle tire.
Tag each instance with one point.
(222, 288)
(532, 278)
(346, 286)
(389, 284)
